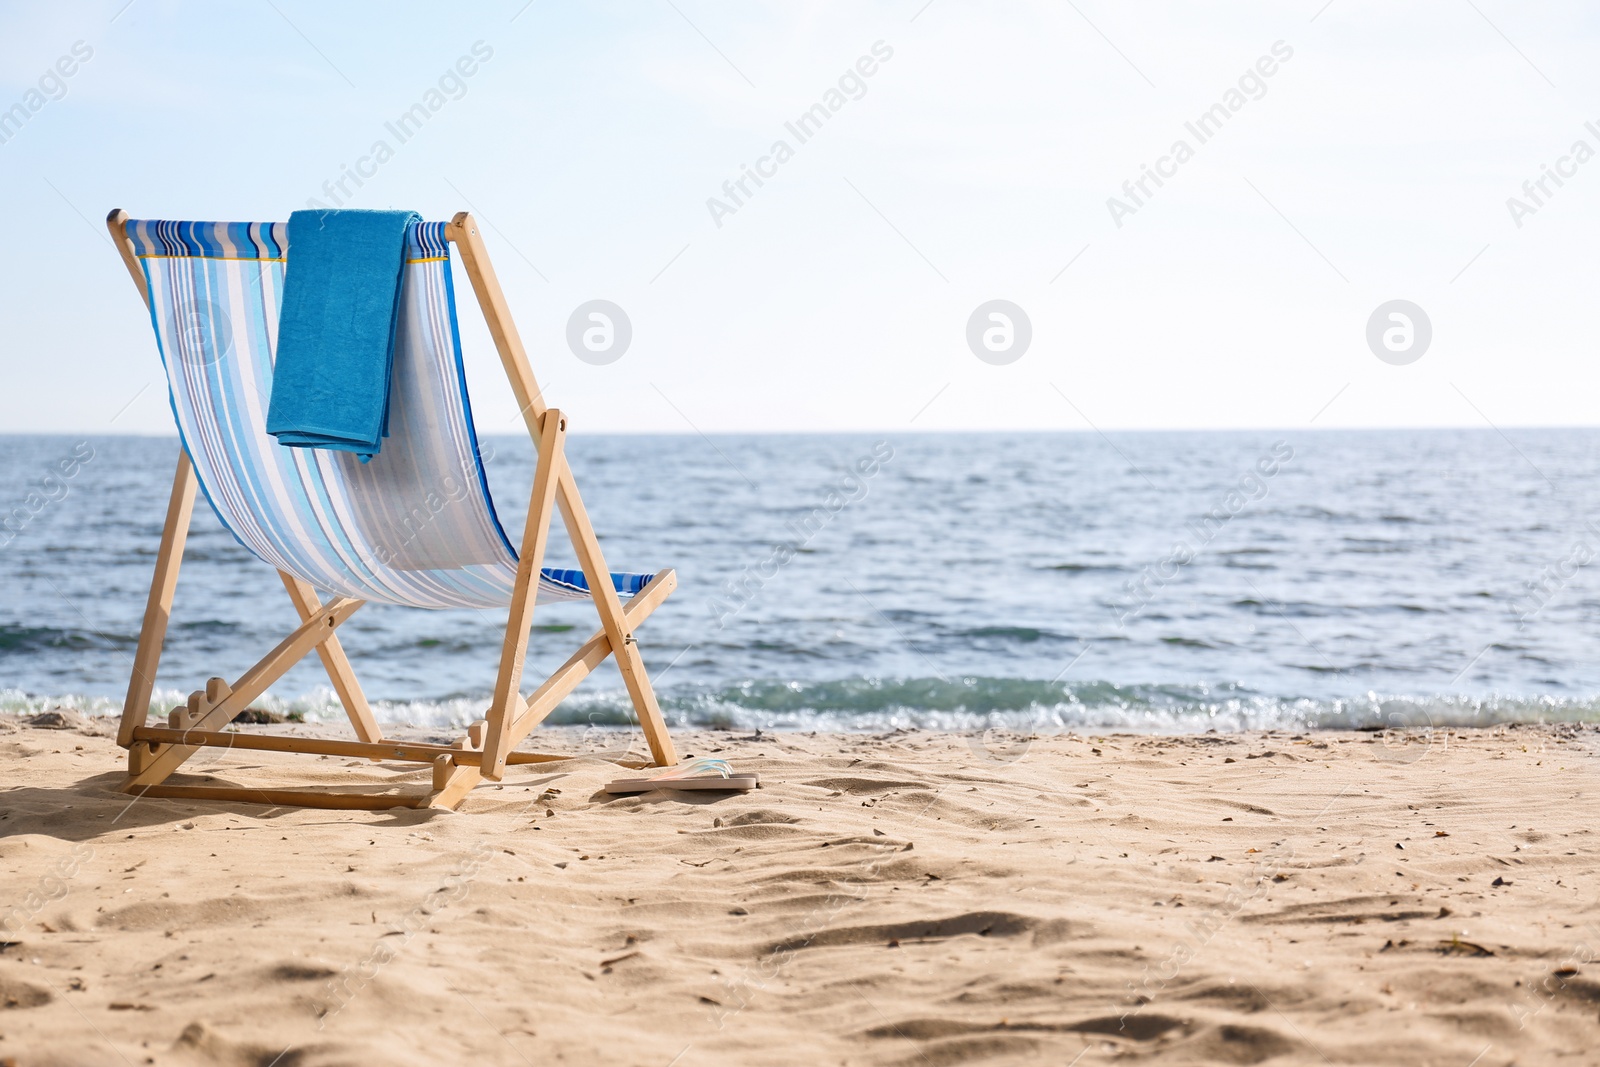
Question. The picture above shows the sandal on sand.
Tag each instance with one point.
(715, 774)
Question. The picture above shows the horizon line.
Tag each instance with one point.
(173, 435)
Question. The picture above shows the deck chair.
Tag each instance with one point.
(416, 526)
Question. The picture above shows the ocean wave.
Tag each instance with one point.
(963, 704)
(23, 639)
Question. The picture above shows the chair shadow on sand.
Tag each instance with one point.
(92, 808)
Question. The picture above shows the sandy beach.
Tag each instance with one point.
(902, 899)
(1119, 474)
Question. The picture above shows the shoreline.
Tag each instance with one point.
(611, 712)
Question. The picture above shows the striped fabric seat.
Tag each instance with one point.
(415, 526)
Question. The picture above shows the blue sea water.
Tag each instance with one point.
(1178, 581)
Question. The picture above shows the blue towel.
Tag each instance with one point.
(341, 299)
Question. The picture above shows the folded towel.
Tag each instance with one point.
(341, 298)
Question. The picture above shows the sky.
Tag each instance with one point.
(1357, 153)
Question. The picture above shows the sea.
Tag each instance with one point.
(1159, 582)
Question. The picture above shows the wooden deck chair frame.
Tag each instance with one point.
(155, 752)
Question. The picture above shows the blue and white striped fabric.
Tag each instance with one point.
(416, 525)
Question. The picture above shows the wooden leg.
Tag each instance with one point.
(335, 662)
(158, 608)
(535, 536)
(463, 232)
(589, 656)
(451, 784)
(612, 617)
(217, 707)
